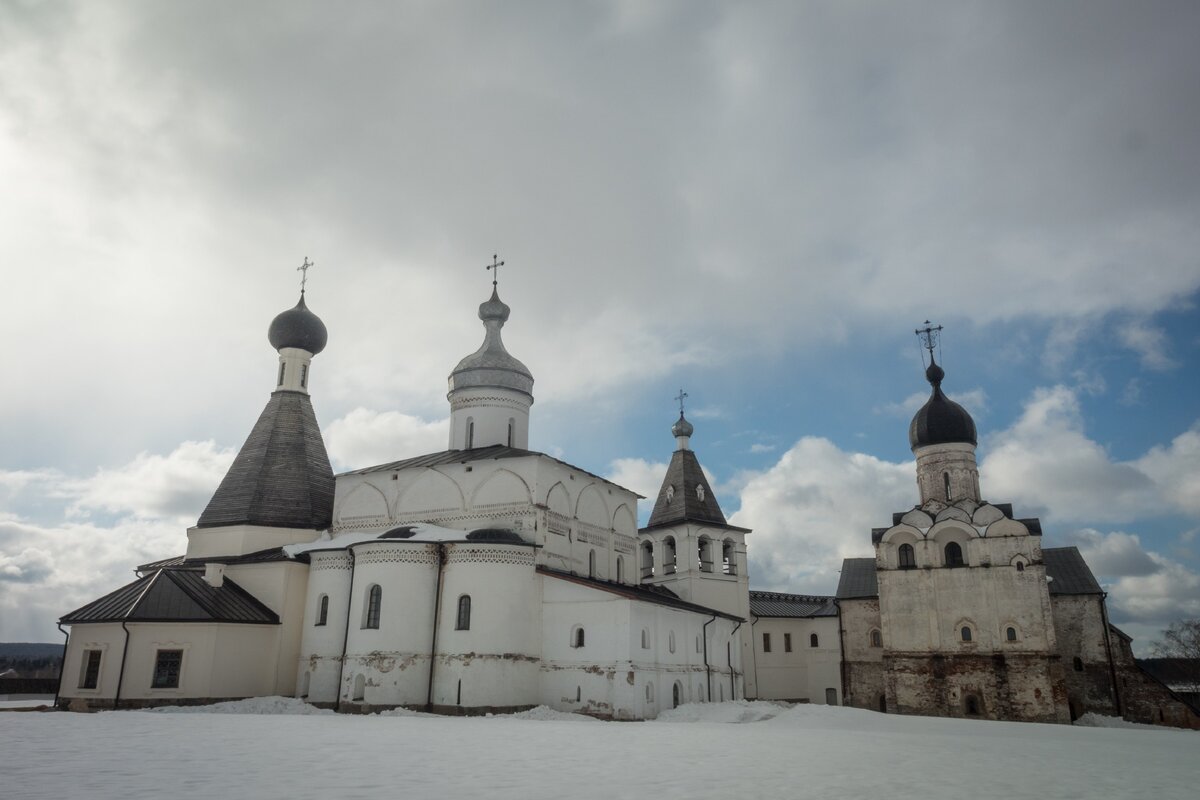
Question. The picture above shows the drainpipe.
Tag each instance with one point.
(121, 673)
(337, 706)
(842, 650)
(729, 661)
(437, 605)
(1112, 669)
(707, 666)
(61, 664)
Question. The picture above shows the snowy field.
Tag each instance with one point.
(266, 749)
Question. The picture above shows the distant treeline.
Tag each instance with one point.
(30, 660)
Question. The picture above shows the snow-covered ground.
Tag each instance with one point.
(268, 748)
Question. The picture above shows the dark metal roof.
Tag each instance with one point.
(175, 595)
(492, 452)
(298, 327)
(183, 562)
(858, 579)
(1069, 571)
(495, 536)
(174, 561)
(685, 503)
(940, 420)
(646, 593)
(779, 604)
(281, 477)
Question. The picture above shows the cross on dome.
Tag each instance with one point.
(930, 337)
(681, 397)
(303, 270)
(495, 265)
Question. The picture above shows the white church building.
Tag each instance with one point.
(485, 577)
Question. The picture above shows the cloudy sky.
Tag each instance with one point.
(758, 202)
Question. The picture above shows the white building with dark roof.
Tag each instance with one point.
(485, 577)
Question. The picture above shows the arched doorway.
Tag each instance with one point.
(676, 695)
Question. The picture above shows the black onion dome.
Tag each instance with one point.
(940, 420)
(298, 327)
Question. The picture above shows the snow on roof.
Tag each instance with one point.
(418, 532)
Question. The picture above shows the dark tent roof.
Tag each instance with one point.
(858, 579)
(779, 604)
(685, 503)
(1069, 572)
(175, 595)
(281, 477)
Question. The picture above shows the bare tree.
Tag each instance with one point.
(1181, 643)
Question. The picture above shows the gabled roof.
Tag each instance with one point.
(678, 499)
(175, 595)
(779, 604)
(491, 452)
(281, 477)
(858, 579)
(1069, 572)
(647, 593)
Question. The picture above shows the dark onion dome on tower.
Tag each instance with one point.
(300, 328)
(940, 420)
(682, 427)
(491, 365)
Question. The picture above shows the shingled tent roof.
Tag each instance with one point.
(175, 595)
(281, 477)
(685, 503)
(801, 606)
(858, 579)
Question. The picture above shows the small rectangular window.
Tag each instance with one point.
(282, 371)
(787, 643)
(303, 375)
(89, 678)
(766, 642)
(166, 669)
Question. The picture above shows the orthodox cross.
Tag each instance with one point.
(930, 337)
(303, 270)
(495, 265)
(681, 397)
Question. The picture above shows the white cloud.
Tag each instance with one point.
(816, 506)
(365, 437)
(759, 447)
(1149, 342)
(642, 476)
(974, 400)
(175, 486)
(1175, 469)
(1114, 554)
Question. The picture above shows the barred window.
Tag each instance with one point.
(167, 664)
(90, 677)
(463, 623)
(374, 601)
(323, 610)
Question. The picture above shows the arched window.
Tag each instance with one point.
(645, 639)
(620, 570)
(578, 693)
(282, 371)
(908, 556)
(812, 640)
(966, 633)
(1020, 566)
(946, 483)
(954, 555)
(323, 609)
(676, 695)
(303, 375)
(669, 555)
(1078, 662)
(1011, 634)
(374, 601)
(647, 559)
(511, 426)
(577, 636)
(876, 639)
(704, 550)
(591, 563)
(671, 641)
(463, 622)
(728, 559)
(470, 433)
(649, 692)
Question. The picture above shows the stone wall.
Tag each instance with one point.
(1027, 687)
(1083, 650)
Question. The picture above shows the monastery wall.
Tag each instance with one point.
(802, 673)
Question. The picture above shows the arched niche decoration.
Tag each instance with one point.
(364, 500)
(502, 486)
(558, 501)
(591, 508)
(623, 521)
(430, 491)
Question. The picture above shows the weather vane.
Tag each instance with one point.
(495, 265)
(303, 270)
(930, 337)
(681, 397)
